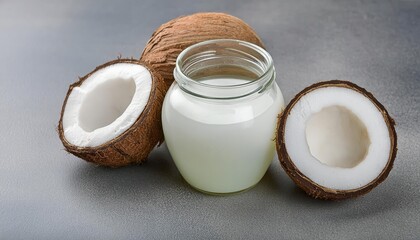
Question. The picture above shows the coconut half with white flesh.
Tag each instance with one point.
(336, 141)
(112, 116)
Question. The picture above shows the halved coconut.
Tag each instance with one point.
(111, 116)
(336, 141)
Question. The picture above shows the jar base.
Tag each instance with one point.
(222, 194)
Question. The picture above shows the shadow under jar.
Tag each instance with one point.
(219, 116)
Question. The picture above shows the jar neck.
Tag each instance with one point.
(224, 69)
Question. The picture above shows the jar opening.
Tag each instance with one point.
(224, 69)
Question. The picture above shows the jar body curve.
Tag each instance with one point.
(221, 147)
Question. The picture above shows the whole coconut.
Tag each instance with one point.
(168, 41)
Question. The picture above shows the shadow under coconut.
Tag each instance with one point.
(283, 187)
(387, 197)
(132, 184)
(380, 200)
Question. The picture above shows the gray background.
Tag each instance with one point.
(48, 194)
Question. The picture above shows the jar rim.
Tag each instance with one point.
(256, 84)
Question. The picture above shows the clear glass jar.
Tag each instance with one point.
(219, 116)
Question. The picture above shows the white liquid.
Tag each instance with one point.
(221, 146)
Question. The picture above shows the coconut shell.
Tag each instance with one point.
(168, 41)
(133, 145)
(311, 188)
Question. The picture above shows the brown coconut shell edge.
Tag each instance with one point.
(310, 187)
(172, 37)
(135, 144)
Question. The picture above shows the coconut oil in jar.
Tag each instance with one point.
(219, 116)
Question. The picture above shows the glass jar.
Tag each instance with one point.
(219, 116)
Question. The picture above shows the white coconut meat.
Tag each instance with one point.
(337, 138)
(106, 104)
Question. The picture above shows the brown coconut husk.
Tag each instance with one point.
(168, 41)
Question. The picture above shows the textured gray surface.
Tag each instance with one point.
(48, 194)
